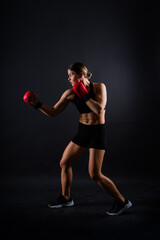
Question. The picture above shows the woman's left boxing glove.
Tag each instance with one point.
(29, 97)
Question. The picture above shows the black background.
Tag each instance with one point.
(118, 41)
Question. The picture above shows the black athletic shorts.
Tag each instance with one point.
(91, 136)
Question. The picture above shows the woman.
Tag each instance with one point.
(90, 100)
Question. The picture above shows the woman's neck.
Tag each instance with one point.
(86, 83)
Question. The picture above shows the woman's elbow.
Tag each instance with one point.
(53, 113)
(99, 111)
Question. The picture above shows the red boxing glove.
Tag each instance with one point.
(81, 91)
(27, 96)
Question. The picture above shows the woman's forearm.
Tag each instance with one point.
(47, 110)
(94, 106)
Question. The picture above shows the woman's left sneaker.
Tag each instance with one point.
(118, 208)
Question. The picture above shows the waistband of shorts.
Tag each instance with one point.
(92, 126)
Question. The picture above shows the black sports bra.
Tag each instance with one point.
(82, 106)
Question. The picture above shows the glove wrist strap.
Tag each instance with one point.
(38, 105)
(85, 98)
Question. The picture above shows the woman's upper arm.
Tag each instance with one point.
(63, 102)
(101, 95)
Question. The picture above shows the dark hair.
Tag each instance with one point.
(80, 68)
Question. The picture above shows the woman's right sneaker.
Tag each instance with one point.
(61, 201)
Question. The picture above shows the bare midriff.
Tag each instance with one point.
(92, 119)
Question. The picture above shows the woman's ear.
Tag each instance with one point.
(81, 77)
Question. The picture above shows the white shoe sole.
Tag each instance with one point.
(128, 205)
(68, 204)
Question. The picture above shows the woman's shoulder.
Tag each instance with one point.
(69, 94)
(69, 91)
(98, 86)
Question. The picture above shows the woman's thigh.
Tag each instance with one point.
(71, 153)
(96, 157)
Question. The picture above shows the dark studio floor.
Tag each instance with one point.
(25, 214)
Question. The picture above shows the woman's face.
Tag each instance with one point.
(73, 77)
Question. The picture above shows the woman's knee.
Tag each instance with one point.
(64, 163)
(95, 175)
